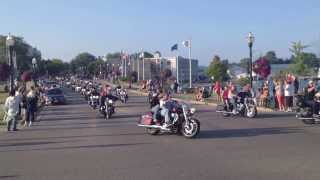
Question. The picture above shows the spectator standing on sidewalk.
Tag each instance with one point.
(271, 93)
(31, 106)
(288, 93)
(217, 89)
(12, 109)
(280, 95)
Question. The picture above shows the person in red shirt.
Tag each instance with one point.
(217, 90)
(225, 95)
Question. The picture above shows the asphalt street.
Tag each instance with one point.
(74, 142)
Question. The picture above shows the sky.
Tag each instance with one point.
(64, 28)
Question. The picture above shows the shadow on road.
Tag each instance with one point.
(127, 116)
(238, 133)
(9, 177)
(79, 147)
(80, 128)
(71, 137)
(276, 115)
(68, 118)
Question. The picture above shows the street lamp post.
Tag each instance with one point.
(10, 43)
(34, 64)
(251, 39)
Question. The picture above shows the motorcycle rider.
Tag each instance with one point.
(232, 97)
(310, 93)
(118, 90)
(155, 105)
(168, 105)
(104, 93)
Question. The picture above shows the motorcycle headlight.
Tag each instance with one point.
(192, 110)
(110, 101)
(96, 97)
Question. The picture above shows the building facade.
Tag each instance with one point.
(150, 68)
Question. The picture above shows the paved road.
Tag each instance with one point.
(74, 142)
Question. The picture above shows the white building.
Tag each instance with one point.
(180, 68)
(150, 68)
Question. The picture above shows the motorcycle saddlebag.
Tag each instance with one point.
(146, 119)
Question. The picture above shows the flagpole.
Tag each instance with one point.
(190, 65)
(138, 68)
(125, 67)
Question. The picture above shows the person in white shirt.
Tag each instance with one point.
(288, 93)
(11, 107)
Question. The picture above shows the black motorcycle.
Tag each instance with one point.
(245, 107)
(183, 122)
(108, 109)
(123, 96)
(305, 111)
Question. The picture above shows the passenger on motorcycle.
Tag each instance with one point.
(106, 91)
(155, 105)
(231, 97)
(168, 106)
(310, 93)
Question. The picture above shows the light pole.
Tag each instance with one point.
(251, 39)
(34, 64)
(142, 57)
(10, 43)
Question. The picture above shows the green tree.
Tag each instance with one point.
(299, 67)
(271, 56)
(81, 62)
(56, 67)
(218, 69)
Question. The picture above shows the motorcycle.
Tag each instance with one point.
(108, 109)
(87, 94)
(183, 122)
(94, 101)
(305, 112)
(247, 108)
(123, 96)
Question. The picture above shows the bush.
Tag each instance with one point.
(243, 81)
(4, 71)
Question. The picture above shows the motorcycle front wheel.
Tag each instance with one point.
(191, 130)
(152, 131)
(251, 112)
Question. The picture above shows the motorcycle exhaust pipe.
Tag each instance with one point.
(224, 112)
(153, 126)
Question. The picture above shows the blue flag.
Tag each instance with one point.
(174, 47)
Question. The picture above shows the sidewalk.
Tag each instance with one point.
(189, 98)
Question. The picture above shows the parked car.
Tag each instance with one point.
(54, 96)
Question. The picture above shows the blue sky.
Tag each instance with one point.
(63, 28)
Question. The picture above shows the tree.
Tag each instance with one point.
(272, 58)
(299, 67)
(218, 69)
(113, 55)
(56, 67)
(24, 53)
(82, 61)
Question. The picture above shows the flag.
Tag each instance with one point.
(174, 47)
(141, 55)
(186, 44)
